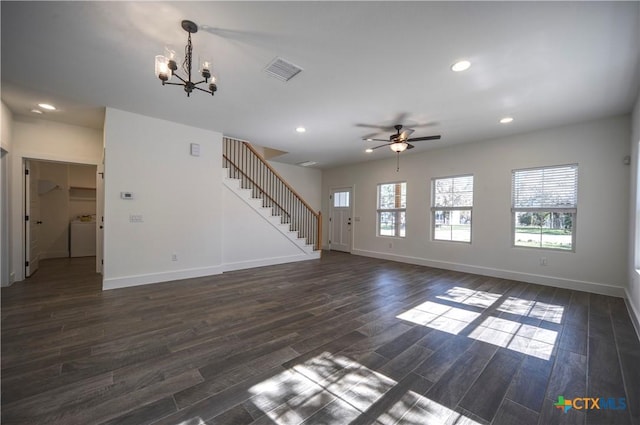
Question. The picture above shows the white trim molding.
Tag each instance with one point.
(145, 279)
(577, 285)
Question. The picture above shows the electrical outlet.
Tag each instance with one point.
(174, 257)
(543, 261)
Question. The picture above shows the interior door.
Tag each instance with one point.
(32, 218)
(340, 238)
(100, 217)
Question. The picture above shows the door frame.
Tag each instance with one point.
(332, 190)
(19, 242)
(30, 266)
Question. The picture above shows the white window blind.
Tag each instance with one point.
(549, 187)
(341, 199)
(453, 192)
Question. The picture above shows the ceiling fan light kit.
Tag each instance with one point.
(399, 142)
(167, 65)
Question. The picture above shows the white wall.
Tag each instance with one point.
(306, 181)
(81, 201)
(178, 195)
(249, 240)
(6, 137)
(599, 261)
(54, 212)
(634, 218)
(46, 140)
(6, 127)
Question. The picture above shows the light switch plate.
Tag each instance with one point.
(195, 149)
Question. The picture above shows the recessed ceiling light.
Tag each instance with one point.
(47, 106)
(369, 150)
(506, 120)
(301, 129)
(37, 111)
(460, 66)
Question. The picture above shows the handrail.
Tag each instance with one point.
(257, 174)
(248, 145)
(255, 184)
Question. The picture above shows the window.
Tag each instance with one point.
(451, 211)
(392, 208)
(341, 199)
(544, 207)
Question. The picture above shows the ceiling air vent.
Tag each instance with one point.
(282, 70)
(307, 163)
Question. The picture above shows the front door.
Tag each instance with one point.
(340, 220)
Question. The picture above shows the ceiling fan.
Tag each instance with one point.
(399, 142)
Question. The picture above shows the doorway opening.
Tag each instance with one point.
(63, 216)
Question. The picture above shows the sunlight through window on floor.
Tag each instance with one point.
(440, 316)
(336, 389)
(471, 297)
(536, 309)
(527, 339)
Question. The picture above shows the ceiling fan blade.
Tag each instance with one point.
(381, 146)
(423, 125)
(372, 126)
(410, 146)
(418, 139)
(401, 117)
(404, 135)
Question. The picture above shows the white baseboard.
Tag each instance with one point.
(54, 254)
(145, 279)
(634, 313)
(241, 265)
(579, 285)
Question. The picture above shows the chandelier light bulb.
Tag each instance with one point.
(205, 68)
(162, 68)
(172, 58)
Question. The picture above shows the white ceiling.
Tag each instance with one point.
(544, 63)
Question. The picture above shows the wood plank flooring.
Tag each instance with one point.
(341, 340)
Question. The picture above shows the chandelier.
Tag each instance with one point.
(166, 66)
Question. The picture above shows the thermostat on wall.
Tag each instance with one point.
(126, 195)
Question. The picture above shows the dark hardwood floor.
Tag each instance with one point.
(341, 340)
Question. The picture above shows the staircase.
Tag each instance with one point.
(260, 186)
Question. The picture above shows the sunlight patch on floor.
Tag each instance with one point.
(338, 390)
(535, 309)
(531, 340)
(440, 316)
(471, 297)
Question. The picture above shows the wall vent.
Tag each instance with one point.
(282, 70)
(307, 163)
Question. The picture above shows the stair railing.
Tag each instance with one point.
(247, 165)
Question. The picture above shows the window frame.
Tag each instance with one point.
(572, 210)
(435, 208)
(395, 211)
